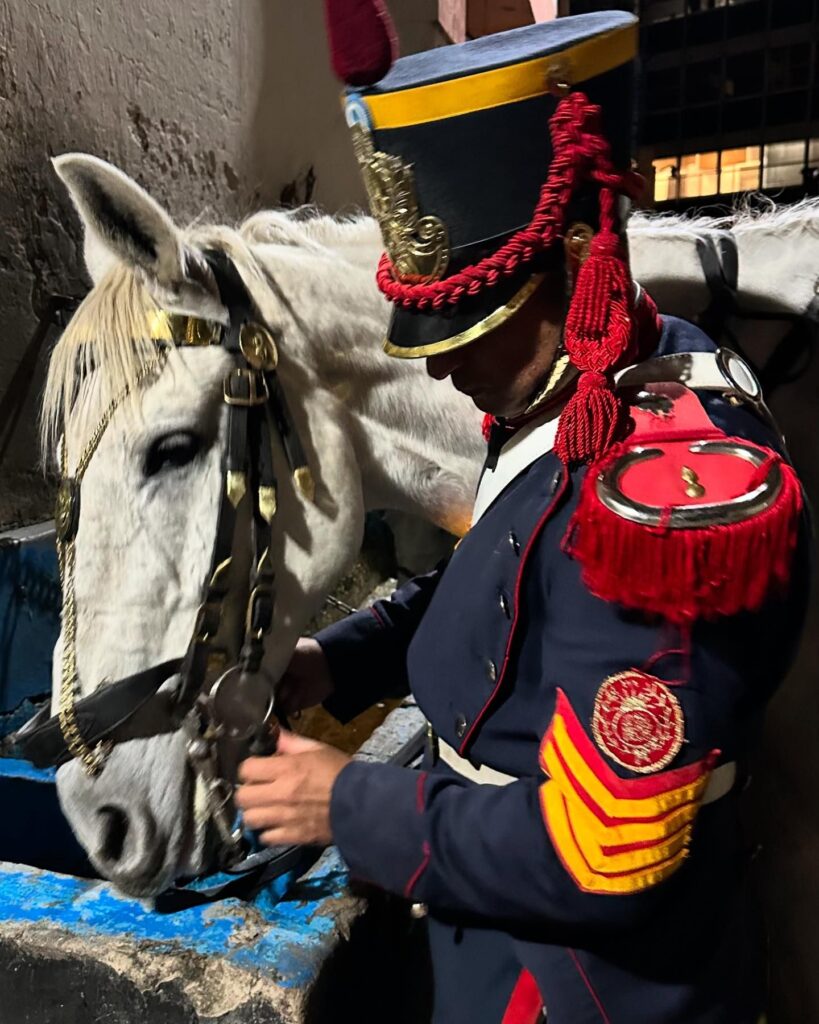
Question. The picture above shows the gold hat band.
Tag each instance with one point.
(466, 95)
(489, 323)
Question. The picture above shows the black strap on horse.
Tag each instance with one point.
(719, 259)
(225, 713)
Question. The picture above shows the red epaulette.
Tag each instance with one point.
(682, 520)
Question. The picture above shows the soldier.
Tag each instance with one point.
(596, 655)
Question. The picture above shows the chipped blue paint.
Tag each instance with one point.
(13, 767)
(288, 946)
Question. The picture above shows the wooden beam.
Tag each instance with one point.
(452, 19)
(468, 19)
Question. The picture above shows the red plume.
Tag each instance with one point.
(363, 42)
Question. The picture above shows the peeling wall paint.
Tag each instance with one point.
(216, 109)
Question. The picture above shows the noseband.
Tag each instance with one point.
(221, 699)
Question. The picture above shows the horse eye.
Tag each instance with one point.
(172, 451)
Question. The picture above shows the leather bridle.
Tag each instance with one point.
(719, 258)
(225, 710)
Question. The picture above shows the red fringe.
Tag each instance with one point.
(686, 574)
(486, 426)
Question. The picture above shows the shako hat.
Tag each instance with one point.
(478, 159)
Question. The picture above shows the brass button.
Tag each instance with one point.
(419, 910)
(491, 670)
(555, 483)
(258, 347)
(514, 542)
(460, 726)
(504, 605)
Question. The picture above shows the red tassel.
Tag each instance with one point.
(363, 41)
(686, 574)
(598, 333)
(590, 421)
(599, 321)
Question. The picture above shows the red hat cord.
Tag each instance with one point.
(581, 153)
(645, 336)
(599, 324)
(598, 333)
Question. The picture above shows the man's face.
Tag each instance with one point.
(502, 370)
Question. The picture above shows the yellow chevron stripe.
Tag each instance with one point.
(628, 860)
(624, 833)
(612, 806)
(586, 877)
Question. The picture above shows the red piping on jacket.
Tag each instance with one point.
(603, 1015)
(426, 850)
(546, 515)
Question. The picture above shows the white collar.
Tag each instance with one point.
(519, 452)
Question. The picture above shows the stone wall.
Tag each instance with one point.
(217, 108)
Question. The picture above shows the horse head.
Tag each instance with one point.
(137, 414)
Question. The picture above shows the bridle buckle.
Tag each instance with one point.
(207, 620)
(245, 387)
(259, 614)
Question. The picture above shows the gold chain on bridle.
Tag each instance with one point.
(92, 758)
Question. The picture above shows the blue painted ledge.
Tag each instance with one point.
(69, 944)
(287, 945)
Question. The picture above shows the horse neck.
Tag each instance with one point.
(666, 261)
(777, 264)
(418, 441)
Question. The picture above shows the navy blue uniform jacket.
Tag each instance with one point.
(484, 644)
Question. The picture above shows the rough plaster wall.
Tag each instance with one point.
(299, 99)
(214, 107)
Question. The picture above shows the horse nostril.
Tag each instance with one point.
(114, 831)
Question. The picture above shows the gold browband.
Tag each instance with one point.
(180, 329)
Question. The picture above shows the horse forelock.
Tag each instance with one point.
(110, 336)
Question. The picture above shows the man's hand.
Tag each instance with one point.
(287, 796)
(307, 680)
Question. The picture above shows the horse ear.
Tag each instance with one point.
(124, 224)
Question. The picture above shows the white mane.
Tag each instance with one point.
(760, 212)
(355, 237)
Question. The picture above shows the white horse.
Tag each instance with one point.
(378, 433)
(750, 274)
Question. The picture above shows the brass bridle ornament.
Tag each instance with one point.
(222, 701)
